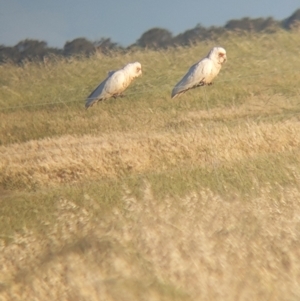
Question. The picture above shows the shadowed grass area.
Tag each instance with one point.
(148, 198)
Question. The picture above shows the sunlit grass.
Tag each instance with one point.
(148, 198)
(47, 99)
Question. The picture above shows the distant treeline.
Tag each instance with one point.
(155, 38)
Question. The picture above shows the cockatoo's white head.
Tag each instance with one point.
(134, 69)
(218, 55)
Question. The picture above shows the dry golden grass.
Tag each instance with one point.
(70, 159)
(148, 198)
(199, 247)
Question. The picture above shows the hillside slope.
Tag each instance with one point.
(148, 198)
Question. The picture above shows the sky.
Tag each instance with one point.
(124, 21)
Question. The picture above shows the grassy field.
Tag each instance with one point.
(148, 198)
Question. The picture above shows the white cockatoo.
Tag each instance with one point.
(115, 83)
(202, 73)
